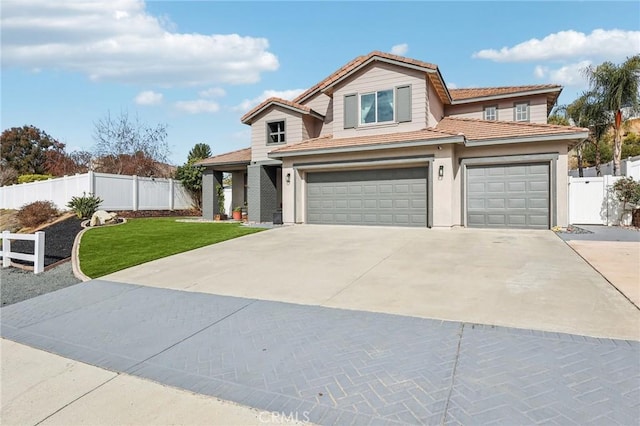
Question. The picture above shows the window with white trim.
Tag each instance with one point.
(377, 107)
(521, 112)
(491, 113)
(275, 132)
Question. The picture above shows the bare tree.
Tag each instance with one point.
(127, 145)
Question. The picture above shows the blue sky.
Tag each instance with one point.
(199, 65)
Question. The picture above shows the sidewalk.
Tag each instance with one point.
(43, 388)
(614, 252)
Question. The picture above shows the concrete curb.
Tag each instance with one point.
(75, 251)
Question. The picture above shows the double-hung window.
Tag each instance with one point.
(490, 113)
(377, 107)
(275, 132)
(521, 112)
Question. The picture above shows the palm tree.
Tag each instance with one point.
(617, 87)
(589, 111)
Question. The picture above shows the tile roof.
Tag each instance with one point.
(355, 63)
(471, 129)
(239, 156)
(328, 142)
(481, 92)
(291, 104)
(475, 129)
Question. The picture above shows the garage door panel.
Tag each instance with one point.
(373, 197)
(508, 196)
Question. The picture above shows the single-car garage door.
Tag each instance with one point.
(394, 197)
(508, 196)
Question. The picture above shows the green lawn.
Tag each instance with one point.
(113, 248)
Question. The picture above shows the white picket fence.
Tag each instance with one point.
(118, 192)
(38, 250)
(592, 201)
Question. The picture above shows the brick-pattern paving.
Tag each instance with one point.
(335, 366)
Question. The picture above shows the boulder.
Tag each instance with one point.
(102, 217)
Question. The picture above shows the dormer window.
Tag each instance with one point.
(376, 107)
(275, 132)
(491, 113)
(521, 112)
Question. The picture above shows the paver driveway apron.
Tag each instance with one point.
(524, 279)
(334, 366)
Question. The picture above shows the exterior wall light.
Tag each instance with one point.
(441, 171)
(288, 177)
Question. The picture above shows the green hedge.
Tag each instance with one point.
(33, 178)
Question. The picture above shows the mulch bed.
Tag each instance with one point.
(58, 243)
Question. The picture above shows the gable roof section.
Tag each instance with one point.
(241, 156)
(449, 130)
(475, 130)
(361, 61)
(479, 94)
(293, 106)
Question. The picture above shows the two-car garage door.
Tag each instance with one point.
(393, 197)
(508, 196)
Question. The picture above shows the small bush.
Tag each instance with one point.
(33, 178)
(37, 213)
(84, 207)
(627, 191)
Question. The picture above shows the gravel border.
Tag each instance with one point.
(18, 285)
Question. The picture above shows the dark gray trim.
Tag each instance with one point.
(528, 103)
(402, 102)
(350, 110)
(549, 158)
(268, 132)
(231, 163)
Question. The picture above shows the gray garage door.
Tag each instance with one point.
(395, 197)
(508, 196)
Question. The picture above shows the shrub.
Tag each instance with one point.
(37, 213)
(33, 178)
(84, 207)
(627, 191)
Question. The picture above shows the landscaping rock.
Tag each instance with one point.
(102, 217)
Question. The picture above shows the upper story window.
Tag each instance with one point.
(521, 112)
(490, 113)
(376, 107)
(275, 132)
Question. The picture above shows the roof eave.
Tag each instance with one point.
(569, 136)
(327, 89)
(371, 147)
(507, 95)
(249, 119)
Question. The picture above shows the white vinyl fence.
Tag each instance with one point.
(592, 201)
(628, 167)
(119, 192)
(38, 250)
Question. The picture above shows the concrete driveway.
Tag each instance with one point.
(522, 279)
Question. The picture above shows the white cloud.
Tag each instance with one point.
(247, 104)
(120, 41)
(567, 75)
(400, 49)
(452, 85)
(213, 92)
(148, 97)
(564, 45)
(197, 106)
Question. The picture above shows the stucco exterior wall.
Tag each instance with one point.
(447, 192)
(381, 76)
(537, 109)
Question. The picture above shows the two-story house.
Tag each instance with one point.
(383, 141)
